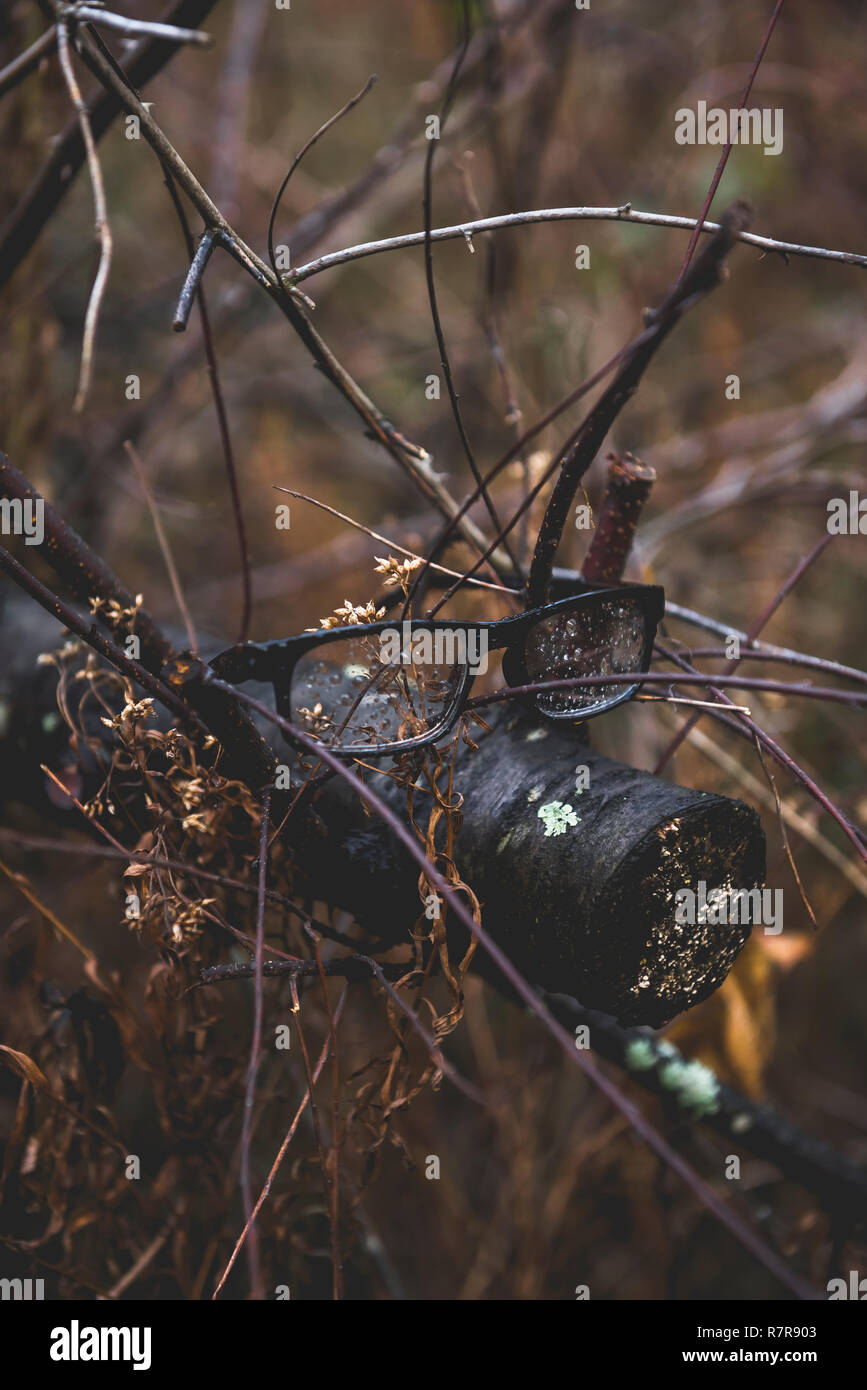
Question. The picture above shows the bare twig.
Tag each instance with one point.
(815, 692)
(281, 1152)
(163, 540)
(255, 1054)
(392, 545)
(29, 217)
(492, 332)
(723, 159)
(427, 209)
(138, 1266)
(83, 571)
(355, 967)
(135, 28)
(759, 649)
(88, 576)
(800, 569)
(747, 728)
(625, 213)
(19, 68)
(793, 818)
(94, 637)
(764, 651)
(194, 287)
(248, 25)
(314, 138)
(237, 885)
(578, 455)
(204, 250)
(103, 230)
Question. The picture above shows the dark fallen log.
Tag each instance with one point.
(577, 886)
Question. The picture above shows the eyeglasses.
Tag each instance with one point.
(372, 689)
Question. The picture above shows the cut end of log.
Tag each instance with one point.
(675, 964)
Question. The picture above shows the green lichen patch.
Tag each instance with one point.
(557, 816)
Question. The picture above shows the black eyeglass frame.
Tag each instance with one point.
(275, 661)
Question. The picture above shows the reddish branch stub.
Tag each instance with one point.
(629, 485)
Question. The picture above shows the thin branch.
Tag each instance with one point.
(19, 68)
(333, 1156)
(230, 128)
(24, 888)
(794, 819)
(314, 138)
(147, 1255)
(103, 231)
(94, 637)
(204, 250)
(747, 728)
(281, 1152)
(392, 545)
(764, 618)
(813, 692)
(255, 1054)
(760, 649)
(88, 576)
(197, 289)
(84, 572)
(427, 210)
(355, 967)
(703, 276)
(765, 652)
(778, 806)
(695, 704)
(723, 159)
(137, 28)
(513, 414)
(566, 214)
(39, 842)
(163, 540)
